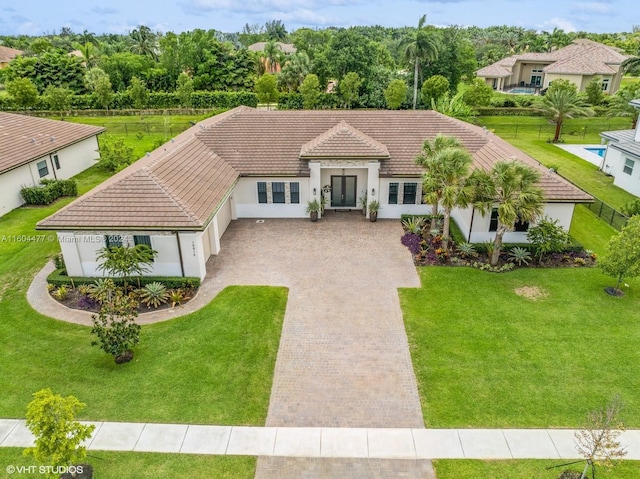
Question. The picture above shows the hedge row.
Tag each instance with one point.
(48, 191)
(295, 101)
(156, 100)
(517, 111)
(59, 278)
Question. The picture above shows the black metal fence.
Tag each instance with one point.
(608, 214)
(547, 130)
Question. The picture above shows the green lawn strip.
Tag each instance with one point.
(526, 469)
(486, 357)
(141, 465)
(214, 366)
(590, 231)
(629, 80)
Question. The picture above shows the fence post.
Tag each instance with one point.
(126, 130)
(613, 214)
(600, 212)
(584, 131)
(516, 130)
(539, 131)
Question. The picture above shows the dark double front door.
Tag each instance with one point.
(343, 191)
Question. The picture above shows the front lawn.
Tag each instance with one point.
(214, 366)
(144, 465)
(526, 469)
(528, 348)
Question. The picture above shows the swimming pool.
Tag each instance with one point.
(597, 151)
(523, 91)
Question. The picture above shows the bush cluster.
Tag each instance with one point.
(59, 278)
(48, 191)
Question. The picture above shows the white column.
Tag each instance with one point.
(373, 183)
(70, 253)
(215, 236)
(315, 183)
(193, 259)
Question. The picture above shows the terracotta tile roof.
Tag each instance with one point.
(285, 47)
(25, 138)
(7, 54)
(343, 141)
(580, 57)
(181, 184)
(494, 71)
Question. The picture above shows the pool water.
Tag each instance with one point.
(597, 151)
(523, 91)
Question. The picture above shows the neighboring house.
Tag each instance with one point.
(580, 62)
(248, 163)
(32, 149)
(622, 158)
(285, 48)
(7, 55)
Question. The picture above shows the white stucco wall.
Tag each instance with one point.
(614, 162)
(73, 160)
(246, 199)
(396, 211)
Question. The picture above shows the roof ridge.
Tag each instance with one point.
(153, 177)
(343, 126)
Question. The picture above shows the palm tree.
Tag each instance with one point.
(449, 179)
(273, 56)
(619, 104)
(422, 45)
(144, 42)
(89, 54)
(512, 188)
(295, 70)
(453, 106)
(427, 159)
(560, 103)
(631, 63)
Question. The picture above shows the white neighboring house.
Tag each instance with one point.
(248, 163)
(33, 149)
(622, 158)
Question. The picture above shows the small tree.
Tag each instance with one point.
(23, 91)
(395, 94)
(453, 106)
(59, 98)
(547, 237)
(349, 88)
(184, 90)
(114, 154)
(266, 89)
(123, 262)
(433, 88)
(116, 327)
(594, 91)
(138, 92)
(598, 441)
(51, 419)
(310, 90)
(622, 259)
(478, 93)
(103, 92)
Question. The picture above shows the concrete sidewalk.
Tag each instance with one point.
(315, 442)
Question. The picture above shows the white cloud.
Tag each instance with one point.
(560, 23)
(591, 7)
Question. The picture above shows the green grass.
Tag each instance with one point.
(142, 465)
(590, 231)
(486, 357)
(213, 366)
(526, 469)
(629, 80)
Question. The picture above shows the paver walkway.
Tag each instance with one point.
(342, 448)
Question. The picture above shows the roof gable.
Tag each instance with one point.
(343, 141)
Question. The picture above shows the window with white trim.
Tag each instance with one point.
(262, 191)
(393, 193)
(409, 193)
(43, 169)
(277, 190)
(628, 166)
(56, 161)
(113, 241)
(605, 84)
(294, 188)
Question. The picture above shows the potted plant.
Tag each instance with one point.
(374, 206)
(363, 202)
(313, 207)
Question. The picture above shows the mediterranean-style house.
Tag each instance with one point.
(580, 63)
(622, 157)
(248, 163)
(33, 149)
(7, 55)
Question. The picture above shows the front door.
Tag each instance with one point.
(536, 80)
(343, 191)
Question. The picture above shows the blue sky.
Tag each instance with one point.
(34, 17)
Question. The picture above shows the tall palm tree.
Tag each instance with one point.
(631, 63)
(421, 45)
(560, 103)
(619, 104)
(273, 56)
(144, 42)
(512, 188)
(295, 70)
(427, 159)
(89, 54)
(449, 179)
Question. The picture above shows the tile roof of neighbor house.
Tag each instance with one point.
(580, 57)
(285, 47)
(623, 140)
(7, 54)
(25, 138)
(182, 184)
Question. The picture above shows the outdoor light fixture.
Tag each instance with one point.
(373, 192)
(314, 192)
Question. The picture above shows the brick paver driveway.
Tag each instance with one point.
(344, 358)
